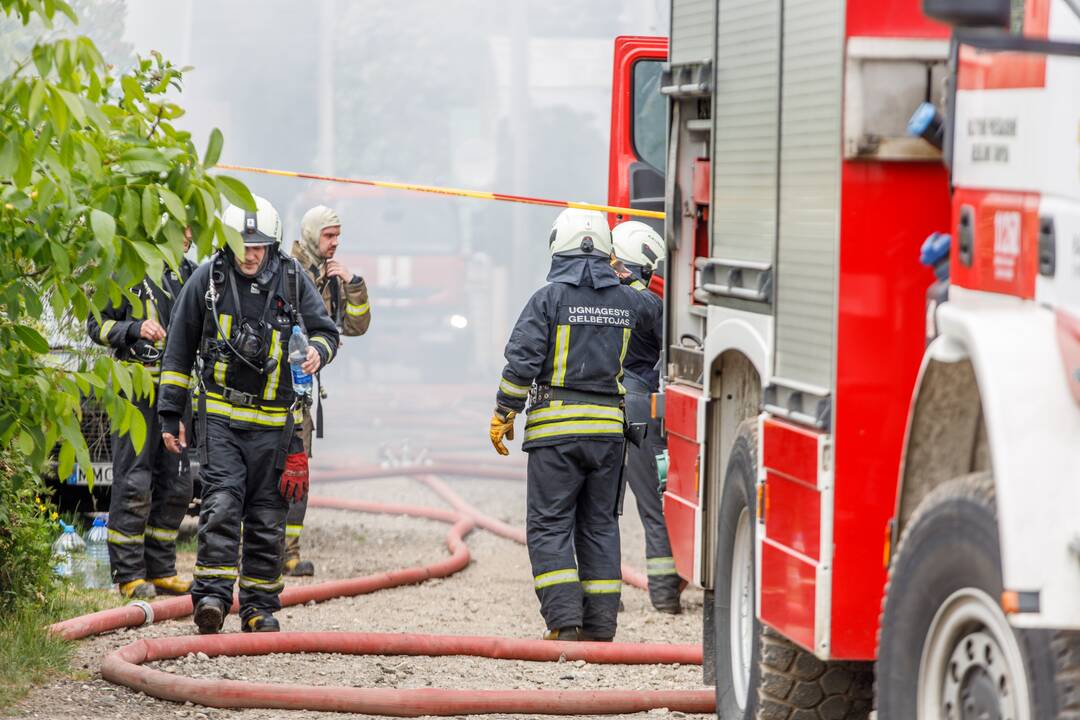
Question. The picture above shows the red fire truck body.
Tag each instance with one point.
(824, 407)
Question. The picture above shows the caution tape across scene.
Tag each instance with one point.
(456, 192)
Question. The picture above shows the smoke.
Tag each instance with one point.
(505, 96)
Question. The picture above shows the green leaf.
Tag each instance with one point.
(32, 339)
(37, 99)
(9, 158)
(213, 149)
(132, 89)
(232, 238)
(151, 210)
(139, 161)
(132, 212)
(25, 442)
(235, 192)
(136, 428)
(174, 205)
(103, 225)
(67, 461)
(66, 9)
(60, 257)
(150, 255)
(74, 104)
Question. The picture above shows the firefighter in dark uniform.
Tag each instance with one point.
(150, 493)
(346, 298)
(639, 248)
(570, 340)
(236, 314)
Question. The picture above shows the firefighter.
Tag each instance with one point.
(236, 314)
(346, 298)
(150, 493)
(639, 249)
(570, 340)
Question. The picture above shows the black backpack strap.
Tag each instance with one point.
(291, 278)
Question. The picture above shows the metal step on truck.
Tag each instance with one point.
(874, 461)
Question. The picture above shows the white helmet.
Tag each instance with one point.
(638, 244)
(580, 232)
(262, 227)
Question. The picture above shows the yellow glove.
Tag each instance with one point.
(501, 426)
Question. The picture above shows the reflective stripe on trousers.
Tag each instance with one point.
(555, 577)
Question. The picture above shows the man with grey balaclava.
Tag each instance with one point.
(346, 299)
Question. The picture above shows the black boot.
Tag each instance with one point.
(260, 622)
(571, 634)
(210, 615)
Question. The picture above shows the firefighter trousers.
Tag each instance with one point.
(573, 533)
(642, 477)
(148, 500)
(241, 502)
(294, 521)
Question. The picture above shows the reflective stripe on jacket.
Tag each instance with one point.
(572, 334)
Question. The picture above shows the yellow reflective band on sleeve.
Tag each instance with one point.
(326, 344)
(106, 328)
(226, 572)
(516, 391)
(601, 587)
(118, 538)
(161, 534)
(638, 285)
(293, 530)
(555, 577)
(562, 347)
(582, 427)
(356, 310)
(622, 356)
(271, 387)
(660, 566)
(564, 412)
(225, 321)
(270, 586)
(180, 380)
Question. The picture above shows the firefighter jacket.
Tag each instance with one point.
(203, 321)
(346, 302)
(571, 340)
(121, 326)
(644, 352)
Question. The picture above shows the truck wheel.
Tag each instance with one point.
(759, 673)
(737, 629)
(946, 649)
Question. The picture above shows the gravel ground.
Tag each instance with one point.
(492, 596)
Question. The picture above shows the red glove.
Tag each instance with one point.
(294, 479)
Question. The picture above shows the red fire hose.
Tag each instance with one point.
(124, 666)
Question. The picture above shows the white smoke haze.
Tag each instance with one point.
(506, 96)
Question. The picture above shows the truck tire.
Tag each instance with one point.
(776, 679)
(736, 627)
(946, 649)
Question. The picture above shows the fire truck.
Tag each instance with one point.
(877, 485)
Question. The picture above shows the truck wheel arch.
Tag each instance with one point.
(946, 434)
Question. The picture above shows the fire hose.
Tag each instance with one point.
(125, 665)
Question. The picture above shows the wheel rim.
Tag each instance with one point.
(742, 609)
(972, 667)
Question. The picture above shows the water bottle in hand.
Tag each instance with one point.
(97, 574)
(68, 552)
(298, 348)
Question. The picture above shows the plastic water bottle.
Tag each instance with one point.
(97, 574)
(68, 552)
(298, 347)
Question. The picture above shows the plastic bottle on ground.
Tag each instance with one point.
(68, 552)
(97, 573)
(298, 348)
